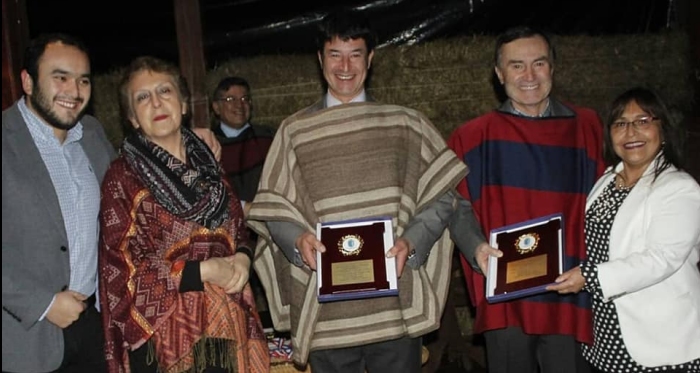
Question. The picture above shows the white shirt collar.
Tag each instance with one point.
(332, 101)
(233, 132)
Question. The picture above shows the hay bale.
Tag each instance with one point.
(450, 80)
(105, 104)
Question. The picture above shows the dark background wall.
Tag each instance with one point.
(118, 31)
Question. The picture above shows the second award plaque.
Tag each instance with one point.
(532, 258)
(355, 264)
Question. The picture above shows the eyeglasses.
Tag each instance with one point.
(637, 124)
(229, 99)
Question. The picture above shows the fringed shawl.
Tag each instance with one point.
(353, 161)
(142, 250)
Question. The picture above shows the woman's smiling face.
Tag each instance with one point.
(636, 136)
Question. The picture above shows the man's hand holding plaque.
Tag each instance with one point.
(354, 264)
(532, 258)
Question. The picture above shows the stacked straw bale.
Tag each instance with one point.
(451, 80)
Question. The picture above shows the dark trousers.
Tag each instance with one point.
(398, 355)
(510, 350)
(83, 343)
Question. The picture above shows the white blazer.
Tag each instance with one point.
(652, 274)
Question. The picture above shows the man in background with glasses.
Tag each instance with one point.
(244, 145)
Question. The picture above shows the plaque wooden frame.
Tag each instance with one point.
(532, 258)
(355, 265)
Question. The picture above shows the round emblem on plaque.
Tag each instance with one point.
(527, 243)
(350, 244)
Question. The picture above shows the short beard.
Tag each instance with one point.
(42, 105)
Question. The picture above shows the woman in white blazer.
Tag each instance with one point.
(642, 230)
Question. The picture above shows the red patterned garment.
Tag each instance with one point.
(142, 250)
(524, 168)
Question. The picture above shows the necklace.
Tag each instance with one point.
(623, 187)
(606, 205)
(620, 183)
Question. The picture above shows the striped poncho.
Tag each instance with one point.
(353, 161)
(523, 168)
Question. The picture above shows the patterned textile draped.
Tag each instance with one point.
(192, 192)
(353, 161)
(524, 168)
(142, 250)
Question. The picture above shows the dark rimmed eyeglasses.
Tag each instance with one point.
(229, 99)
(637, 124)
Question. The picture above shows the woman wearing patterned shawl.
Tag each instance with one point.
(174, 252)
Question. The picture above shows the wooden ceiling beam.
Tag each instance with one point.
(15, 36)
(188, 22)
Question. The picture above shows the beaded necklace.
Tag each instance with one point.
(620, 183)
(602, 209)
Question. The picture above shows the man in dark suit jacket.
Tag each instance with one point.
(53, 159)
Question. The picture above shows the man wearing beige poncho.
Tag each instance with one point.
(346, 158)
